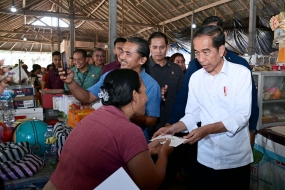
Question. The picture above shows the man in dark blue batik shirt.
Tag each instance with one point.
(178, 108)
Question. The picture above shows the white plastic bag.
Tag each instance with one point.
(16, 77)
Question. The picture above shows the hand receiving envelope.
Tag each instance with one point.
(175, 141)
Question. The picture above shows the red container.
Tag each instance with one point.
(274, 67)
(282, 68)
(47, 100)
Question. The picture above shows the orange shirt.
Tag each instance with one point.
(45, 77)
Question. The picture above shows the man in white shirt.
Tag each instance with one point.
(220, 97)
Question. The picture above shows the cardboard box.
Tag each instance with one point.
(25, 104)
(24, 98)
(23, 90)
(36, 113)
(53, 91)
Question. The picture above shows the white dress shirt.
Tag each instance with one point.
(224, 97)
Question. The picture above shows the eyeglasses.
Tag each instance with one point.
(79, 59)
(100, 56)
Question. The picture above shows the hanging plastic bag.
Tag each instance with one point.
(16, 77)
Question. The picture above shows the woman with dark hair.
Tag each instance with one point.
(106, 140)
(179, 59)
(34, 78)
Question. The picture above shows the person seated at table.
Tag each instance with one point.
(106, 140)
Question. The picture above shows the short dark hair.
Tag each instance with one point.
(119, 85)
(24, 66)
(143, 49)
(157, 35)
(214, 19)
(49, 66)
(56, 53)
(120, 40)
(172, 58)
(36, 67)
(218, 37)
(84, 53)
(99, 49)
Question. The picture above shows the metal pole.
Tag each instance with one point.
(58, 33)
(51, 49)
(58, 39)
(72, 34)
(252, 27)
(20, 74)
(192, 34)
(112, 28)
(25, 17)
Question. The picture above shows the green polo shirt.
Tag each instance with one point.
(87, 79)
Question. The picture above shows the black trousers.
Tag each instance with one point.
(208, 178)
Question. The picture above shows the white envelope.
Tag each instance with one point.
(175, 141)
(119, 180)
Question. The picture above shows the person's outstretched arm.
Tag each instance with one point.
(146, 174)
(82, 95)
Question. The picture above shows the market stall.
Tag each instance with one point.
(268, 168)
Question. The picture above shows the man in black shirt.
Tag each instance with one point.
(164, 72)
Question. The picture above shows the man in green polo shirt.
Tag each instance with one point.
(84, 74)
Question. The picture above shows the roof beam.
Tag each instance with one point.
(13, 46)
(40, 21)
(3, 44)
(33, 4)
(89, 14)
(67, 16)
(195, 11)
(77, 9)
(243, 3)
(43, 34)
(186, 14)
(7, 39)
(32, 46)
(59, 4)
(27, 33)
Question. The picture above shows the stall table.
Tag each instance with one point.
(35, 182)
(268, 168)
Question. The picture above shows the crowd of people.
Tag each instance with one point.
(212, 104)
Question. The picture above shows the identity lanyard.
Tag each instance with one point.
(84, 77)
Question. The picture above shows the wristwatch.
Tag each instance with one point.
(253, 131)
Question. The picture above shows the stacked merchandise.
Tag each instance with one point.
(277, 24)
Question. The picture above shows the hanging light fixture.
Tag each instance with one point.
(25, 39)
(13, 8)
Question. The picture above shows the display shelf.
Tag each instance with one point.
(266, 80)
(274, 101)
(273, 124)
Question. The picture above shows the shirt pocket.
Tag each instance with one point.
(173, 80)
